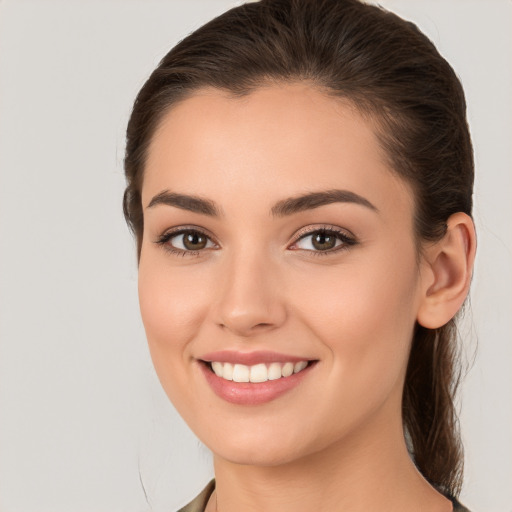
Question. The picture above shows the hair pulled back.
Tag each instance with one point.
(394, 75)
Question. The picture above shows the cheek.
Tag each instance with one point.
(366, 324)
(172, 306)
(365, 314)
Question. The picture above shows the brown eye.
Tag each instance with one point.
(185, 242)
(323, 241)
(193, 240)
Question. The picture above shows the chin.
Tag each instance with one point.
(256, 455)
(259, 447)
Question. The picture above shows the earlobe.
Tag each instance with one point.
(449, 267)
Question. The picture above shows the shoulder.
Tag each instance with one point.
(198, 504)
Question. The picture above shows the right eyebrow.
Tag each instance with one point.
(194, 204)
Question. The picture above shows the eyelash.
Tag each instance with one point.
(164, 239)
(347, 240)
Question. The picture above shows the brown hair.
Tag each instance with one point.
(394, 75)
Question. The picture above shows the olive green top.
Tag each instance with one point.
(199, 503)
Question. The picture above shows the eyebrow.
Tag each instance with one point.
(282, 208)
(186, 202)
(316, 199)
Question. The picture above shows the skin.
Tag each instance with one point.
(324, 444)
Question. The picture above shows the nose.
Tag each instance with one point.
(251, 298)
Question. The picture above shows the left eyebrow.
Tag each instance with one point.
(316, 199)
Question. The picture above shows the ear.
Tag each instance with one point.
(446, 272)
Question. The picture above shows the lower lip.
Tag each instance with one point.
(248, 393)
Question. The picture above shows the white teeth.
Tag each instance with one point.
(256, 373)
(227, 371)
(241, 373)
(299, 366)
(217, 368)
(287, 369)
(274, 371)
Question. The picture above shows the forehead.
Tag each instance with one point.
(276, 141)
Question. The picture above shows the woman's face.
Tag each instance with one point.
(275, 235)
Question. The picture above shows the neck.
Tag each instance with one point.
(369, 470)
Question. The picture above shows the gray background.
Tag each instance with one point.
(83, 420)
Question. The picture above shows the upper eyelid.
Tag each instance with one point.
(324, 227)
(185, 228)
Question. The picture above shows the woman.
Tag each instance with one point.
(299, 181)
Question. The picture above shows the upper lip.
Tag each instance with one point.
(251, 358)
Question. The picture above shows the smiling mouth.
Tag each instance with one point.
(256, 373)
